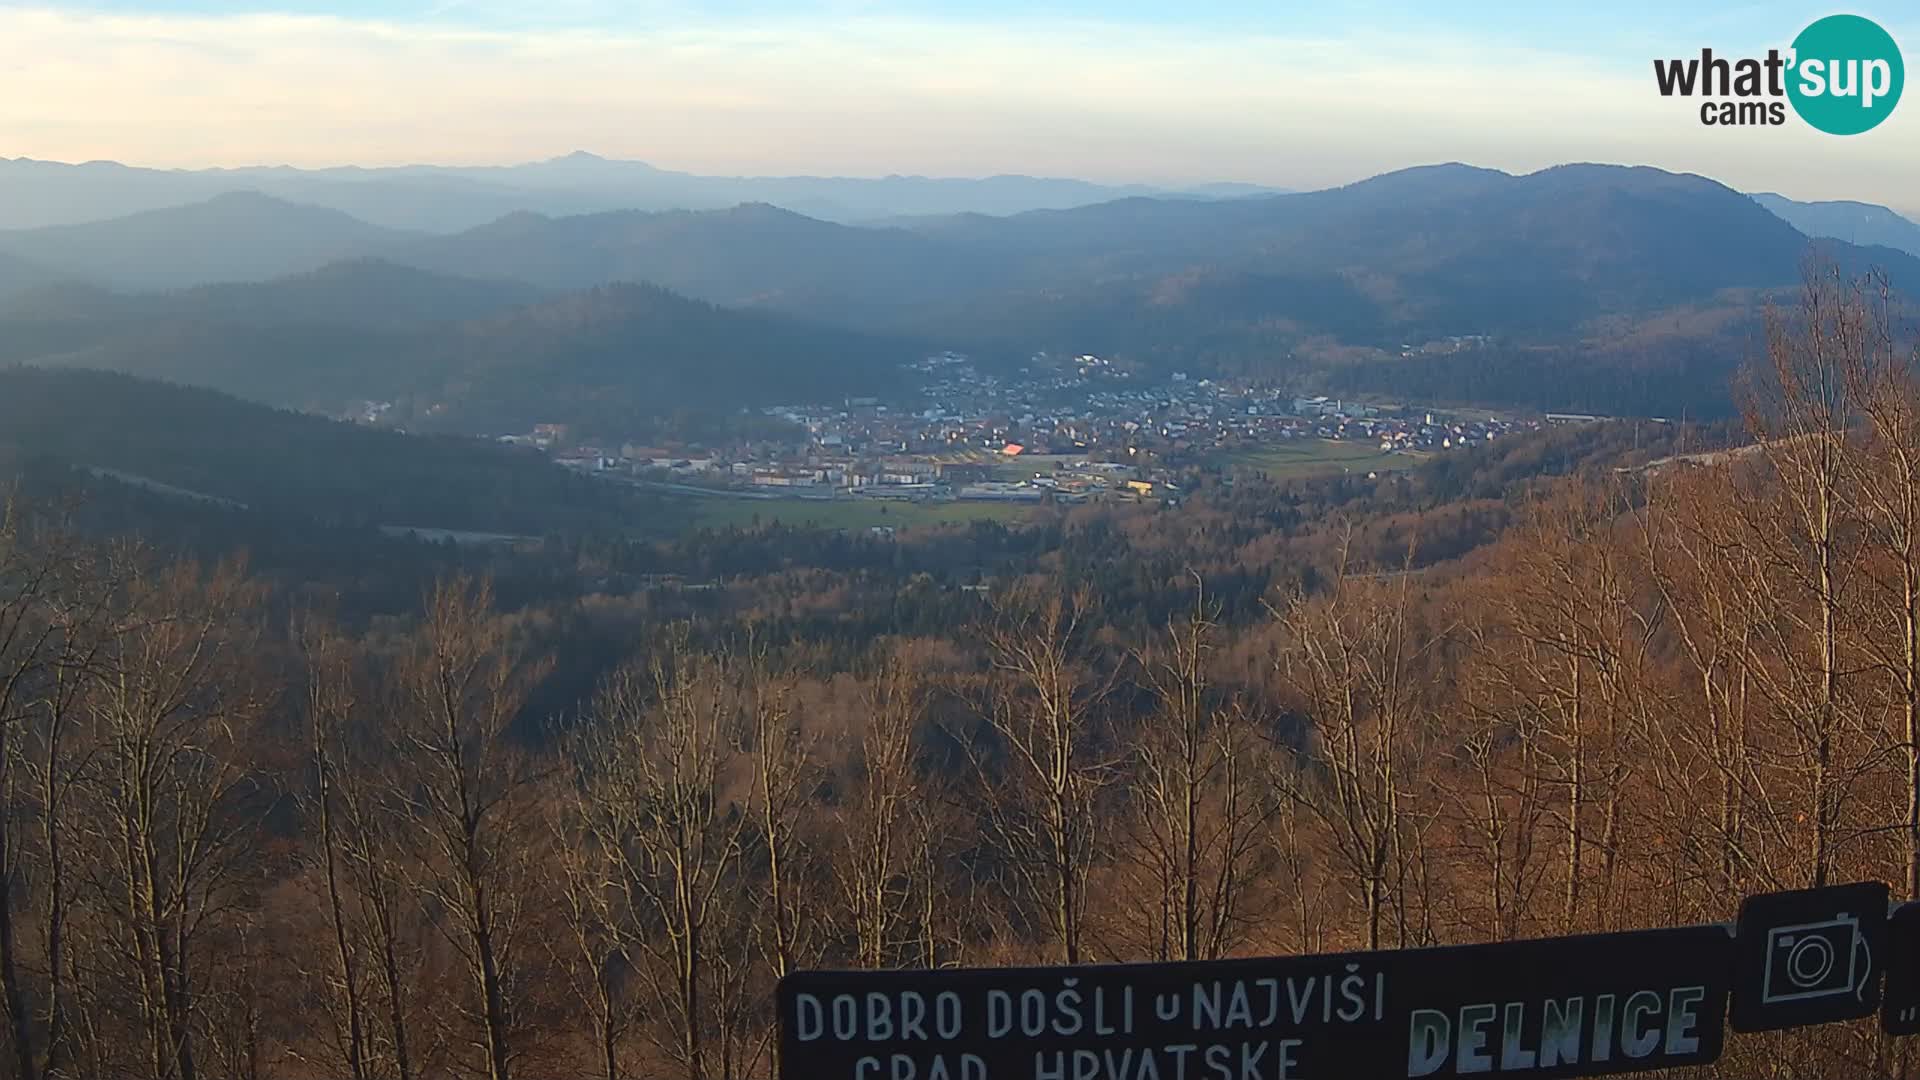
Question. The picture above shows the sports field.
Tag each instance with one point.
(1317, 457)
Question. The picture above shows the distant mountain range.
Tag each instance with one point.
(1854, 222)
(450, 198)
(534, 315)
(1447, 247)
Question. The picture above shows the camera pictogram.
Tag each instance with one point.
(1811, 956)
(1816, 960)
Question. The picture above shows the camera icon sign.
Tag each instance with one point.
(1829, 958)
(1809, 956)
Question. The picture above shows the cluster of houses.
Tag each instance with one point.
(1071, 429)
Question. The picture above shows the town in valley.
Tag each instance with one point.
(1055, 431)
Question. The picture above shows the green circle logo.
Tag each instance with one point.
(1846, 75)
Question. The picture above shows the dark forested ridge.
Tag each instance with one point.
(455, 354)
(603, 357)
(299, 467)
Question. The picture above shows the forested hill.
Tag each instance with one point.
(19, 275)
(1854, 222)
(237, 236)
(296, 465)
(602, 357)
(455, 354)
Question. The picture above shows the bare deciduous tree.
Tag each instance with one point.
(176, 802)
(463, 783)
(1195, 814)
(1352, 658)
(662, 743)
(1053, 758)
(878, 818)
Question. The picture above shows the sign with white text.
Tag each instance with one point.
(1579, 1006)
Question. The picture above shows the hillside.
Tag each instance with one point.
(1143, 228)
(1853, 222)
(1442, 250)
(240, 236)
(367, 292)
(355, 292)
(453, 353)
(751, 254)
(605, 356)
(1592, 288)
(295, 465)
(18, 276)
(308, 366)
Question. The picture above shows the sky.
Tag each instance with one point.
(1276, 92)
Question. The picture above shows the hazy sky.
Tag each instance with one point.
(1276, 92)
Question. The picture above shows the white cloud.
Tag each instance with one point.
(861, 93)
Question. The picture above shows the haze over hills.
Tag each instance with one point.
(451, 198)
(1854, 222)
(452, 353)
(19, 275)
(1441, 250)
(1451, 247)
(314, 340)
(361, 291)
(753, 254)
(1445, 249)
(237, 236)
(1317, 287)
